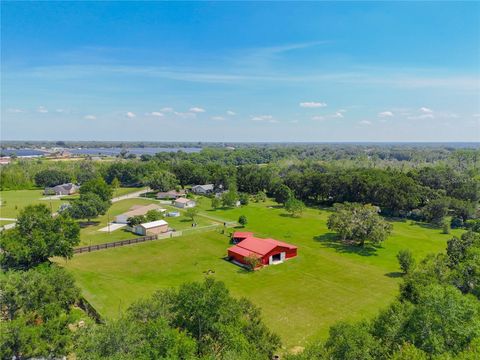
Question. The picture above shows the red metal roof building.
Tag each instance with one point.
(269, 251)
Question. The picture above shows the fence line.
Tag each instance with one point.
(113, 244)
(121, 243)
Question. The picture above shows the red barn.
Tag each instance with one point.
(269, 251)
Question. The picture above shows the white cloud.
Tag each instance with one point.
(166, 109)
(130, 115)
(60, 110)
(42, 109)
(385, 114)
(231, 113)
(155, 113)
(365, 122)
(90, 117)
(218, 118)
(421, 117)
(338, 114)
(318, 118)
(426, 110)
(476, 115)
(185, 114)
(312, 104)
(16, 111)
(262, 118)
(197, 110)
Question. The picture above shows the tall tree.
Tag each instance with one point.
(162, 181)
(99, 187)
(37, 237)
(294, 206)
(51, 177)
(359, 223)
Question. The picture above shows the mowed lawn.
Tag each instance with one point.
(13, 201)
(300, 299)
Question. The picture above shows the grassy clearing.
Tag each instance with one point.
(300, 299)
(13, 201)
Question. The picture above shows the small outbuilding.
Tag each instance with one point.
(63, 189)
(184, 203)
(151, 228)
(268, 251)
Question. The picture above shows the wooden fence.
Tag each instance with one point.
(171, 234)
(113, 244)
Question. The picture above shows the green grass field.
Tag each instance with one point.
(15, 200)
(300, 299)
(5, 222)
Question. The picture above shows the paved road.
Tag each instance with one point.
(131, 195)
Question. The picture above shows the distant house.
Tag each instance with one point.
(151, 228)
(172, 194)
(203, 189)
(5, 160)
(60, 153)
(268, 251)
(184, 203)
(64, 189)
(137, 210)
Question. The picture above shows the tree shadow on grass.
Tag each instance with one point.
(394, 274)
(84, 224)
(240, 268)
(275, 207)
(425, 225)
(331, 240)
(291, 216)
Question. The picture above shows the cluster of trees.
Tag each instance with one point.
(36, 313)
(95, 199)
(36, 297)
(436, 316)
(51, 177)
(197, 321)
(36, 237)
(33, 173)
(367, 175)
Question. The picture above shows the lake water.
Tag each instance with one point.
(101, 151)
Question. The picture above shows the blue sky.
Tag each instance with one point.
(247, 71)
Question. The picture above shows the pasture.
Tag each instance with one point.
(13, 201)
(300, 299)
